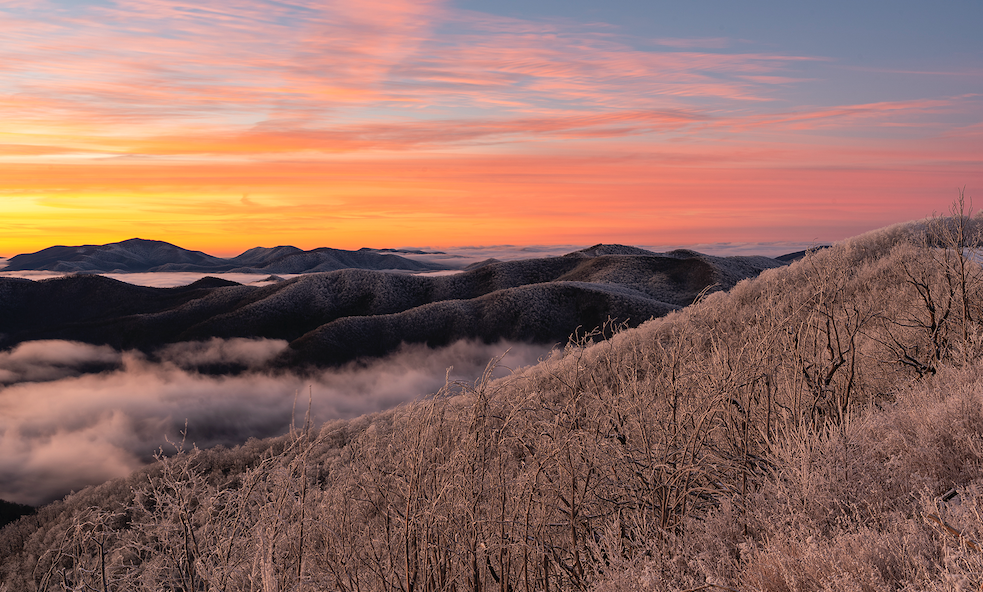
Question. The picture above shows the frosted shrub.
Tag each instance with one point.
(816, 428)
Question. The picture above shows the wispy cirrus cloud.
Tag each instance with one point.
(277, 137)
(148, 65)
(883, 112)
(366, 119)
(129, 70)
(407, 135)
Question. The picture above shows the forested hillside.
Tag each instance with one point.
(818, 427)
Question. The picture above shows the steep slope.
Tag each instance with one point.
(775, 437)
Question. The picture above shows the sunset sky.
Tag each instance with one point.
(230, 124)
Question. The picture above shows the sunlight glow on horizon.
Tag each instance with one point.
(386, 124)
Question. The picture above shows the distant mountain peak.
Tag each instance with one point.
(600, 249)
(145, 255)
(142, 241)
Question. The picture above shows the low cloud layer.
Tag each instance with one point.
(74, 414)
(40, 361)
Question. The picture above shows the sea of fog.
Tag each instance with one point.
(63, 427)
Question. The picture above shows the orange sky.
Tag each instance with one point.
(389, 124)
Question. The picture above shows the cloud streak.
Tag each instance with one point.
(167, 64)
(63, 427)
(412, 120)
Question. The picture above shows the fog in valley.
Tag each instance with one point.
(833, 392)
(458, 258)
(74, 414)
(98, 375)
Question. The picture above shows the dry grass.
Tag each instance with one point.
(804, 431)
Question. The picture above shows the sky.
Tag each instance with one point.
(231, 124)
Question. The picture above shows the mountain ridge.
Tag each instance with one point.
(657, 458)
(143, 255)
(137, 255)
(333, 317)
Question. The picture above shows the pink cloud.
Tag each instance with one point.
(399, 136)
(871, 113)
(168, 62)
(331, 110)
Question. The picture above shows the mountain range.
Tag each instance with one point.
(824, 415)
(141, 255)
(334, 317)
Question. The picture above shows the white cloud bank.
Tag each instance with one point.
(63, 427)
